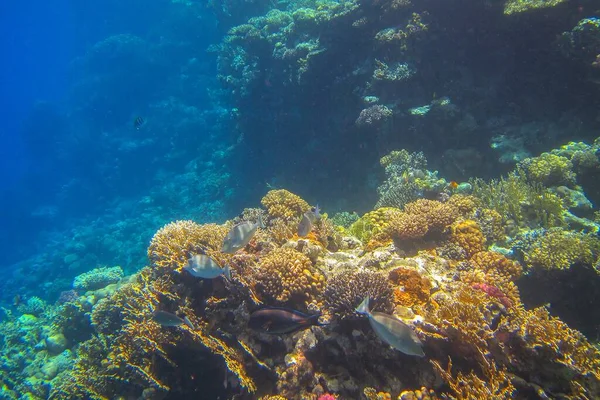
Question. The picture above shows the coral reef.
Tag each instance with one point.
(561, 249)
(283, 204)
(97, 278)
(176, 242)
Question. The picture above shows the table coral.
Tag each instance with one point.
(176, 242)
(287, 275)
(284, 204)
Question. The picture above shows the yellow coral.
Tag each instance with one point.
(411, 287)
(549, 169)
(372, 223)
(438, 215)
(560, 249)
(464, 204)
(468, 235)
(403, 226)
(174, 243)
(286, 274)
(490, 260)
(372, 394)
(284, 204)
(548, 336)
(497, 384)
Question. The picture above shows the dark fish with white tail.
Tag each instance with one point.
(165, 318)
(279, 321)
(203, 266)
(240, 235)
(392, 331)
(307, 221)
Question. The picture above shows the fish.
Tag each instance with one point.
(279, 320)
(308, 219)
(453, 185)
(203, 266)
(240, 235)
(138, 122)
(165, 318)
(392, 331)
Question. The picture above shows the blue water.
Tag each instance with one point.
(118, 117)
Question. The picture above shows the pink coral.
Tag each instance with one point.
(326, 396)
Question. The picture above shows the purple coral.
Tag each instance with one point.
(373, 114)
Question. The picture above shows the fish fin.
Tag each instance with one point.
(189, 323)
(260, 222)
(317, 212)
(227, 272)
(363, 308)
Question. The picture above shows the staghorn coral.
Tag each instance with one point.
(346, 290)
(174, 243)
(514, 198)
(560, 249)
(286, 275)
(410, 287)
(495, 385)
(284, 204)
(97, 278)
(468, 236)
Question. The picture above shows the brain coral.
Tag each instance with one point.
(286, 274)
(97, 278)
(346, 290)
(283, 204)
(174, 243)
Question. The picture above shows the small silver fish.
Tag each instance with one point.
(165, 318)
(203, 266)
(239, 236)
(392, 331)
(308, 219)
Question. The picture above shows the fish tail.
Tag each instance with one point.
(227, 272)
(314, 320)
(363, 308)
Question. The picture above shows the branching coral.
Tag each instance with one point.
(488, 261)
(516, 199)
(495, 385)
(372, 223)
(468, 236)
(437, 215)
(284, 204)
(558, 354)
(288, 275)
(346, 290)
(561, 249)
(549, 170)
(174, 243)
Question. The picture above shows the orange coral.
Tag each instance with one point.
(286, 274)
(174, 243)
(411, 288)
(467, 235)
(284, 204)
